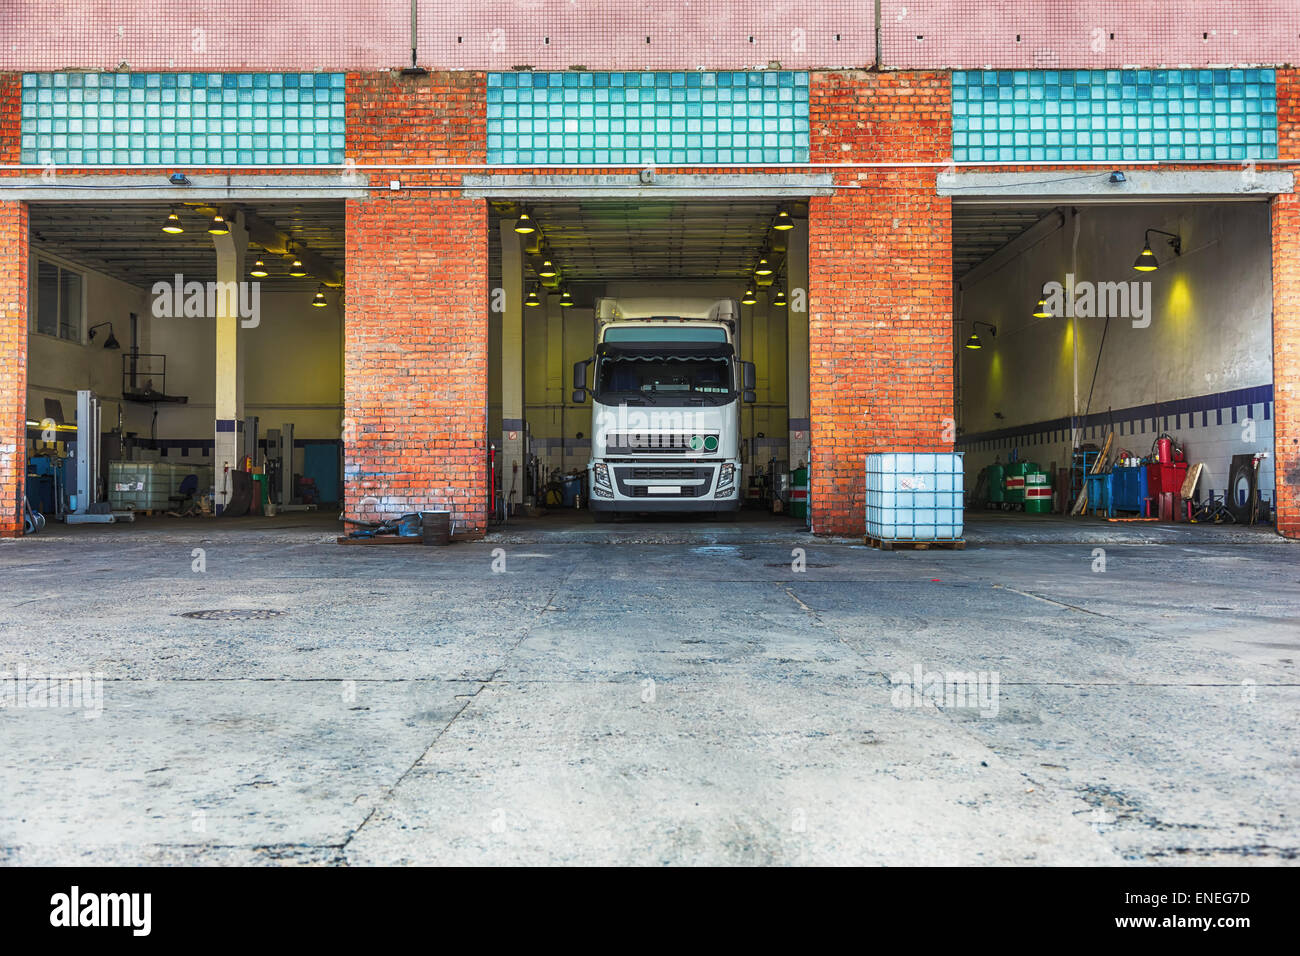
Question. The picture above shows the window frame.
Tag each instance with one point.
(78, 321)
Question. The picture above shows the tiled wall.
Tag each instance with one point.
(611, 118)
(183, 118)
(1017, 115)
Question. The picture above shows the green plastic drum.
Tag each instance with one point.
(1038, 493)
(996, 476)
(799, 493)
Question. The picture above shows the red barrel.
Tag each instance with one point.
(1165, 450)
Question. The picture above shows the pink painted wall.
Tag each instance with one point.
(203, 35)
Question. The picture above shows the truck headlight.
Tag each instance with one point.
(602, 487)
(726, 481)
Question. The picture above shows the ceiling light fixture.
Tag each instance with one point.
(532, 299)
(749, 298)
(219, 226)
(783, 221)
(259, 270)
(566, 300)
(318, 300)
(547, 270)
(297, 270)
(525, 225)
(763, 268)
(110, 342)
(974, 341)
(1146, 260)
(173, 224)
(779, 301)
(1041, 311)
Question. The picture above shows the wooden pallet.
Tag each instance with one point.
(957, 545)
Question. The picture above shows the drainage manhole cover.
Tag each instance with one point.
(234, 614)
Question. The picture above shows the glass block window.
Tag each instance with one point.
(1011, 115)
(540, 119)
(209, 119)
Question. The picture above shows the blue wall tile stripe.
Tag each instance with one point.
(1157, 416)
(1012, 115)
(119, 119)
(546, 119)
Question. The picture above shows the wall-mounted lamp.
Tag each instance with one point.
(1117, 177)
(110, 342)
(179, 179)
(1146, 260)
(974, 341)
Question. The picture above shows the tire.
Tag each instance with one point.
(1241, 478)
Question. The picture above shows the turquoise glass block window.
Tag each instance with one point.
(1064, 115)
(614, 119)
(184, 119)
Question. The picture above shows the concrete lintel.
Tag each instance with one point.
(629, 186)
(1095, 186)
(70, 187)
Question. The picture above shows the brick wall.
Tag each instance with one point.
(415, 389)
(880, 284)
(416, 331)
(13, 365)
(1286, 315)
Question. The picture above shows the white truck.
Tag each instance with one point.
(666, 389)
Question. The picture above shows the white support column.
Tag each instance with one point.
(797, 355)
(228, 399)
(512, 364)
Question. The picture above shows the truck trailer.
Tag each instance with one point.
(666, 385)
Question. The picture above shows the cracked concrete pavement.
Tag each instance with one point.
(692, 702)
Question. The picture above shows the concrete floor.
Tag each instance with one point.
(681, 697)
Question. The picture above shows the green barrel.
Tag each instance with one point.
(1038, 493)
(996, 475)
(1015, 481)
(799, 493)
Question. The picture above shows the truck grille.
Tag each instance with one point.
(692, 482)
(678, 443)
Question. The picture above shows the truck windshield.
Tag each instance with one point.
(657, 375)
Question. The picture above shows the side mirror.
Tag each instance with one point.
(580, 381)
(748, 396)
(751, 377)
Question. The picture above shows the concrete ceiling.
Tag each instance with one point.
(979, 231)
(126, 240)
(606, 240)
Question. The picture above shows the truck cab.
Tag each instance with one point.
(666, 386)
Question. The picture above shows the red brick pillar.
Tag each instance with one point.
(13, 369)
(416, 362)
(1286, 361)
(879, 282)
(880, 333)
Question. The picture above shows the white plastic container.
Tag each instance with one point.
(915, 496)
